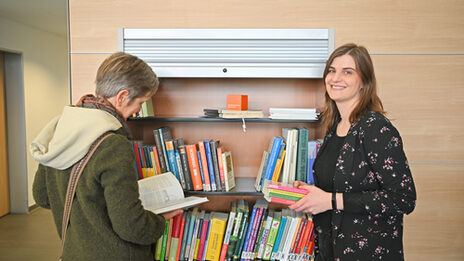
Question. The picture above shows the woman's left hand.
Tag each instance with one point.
(315, 202)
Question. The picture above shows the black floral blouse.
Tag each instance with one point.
(373, 174)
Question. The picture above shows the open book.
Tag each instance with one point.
(163, 193)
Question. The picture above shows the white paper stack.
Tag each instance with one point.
(293, 113)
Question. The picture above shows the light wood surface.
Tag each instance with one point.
(423, 96)
(434, 231)
(4, 188)
(384, 26)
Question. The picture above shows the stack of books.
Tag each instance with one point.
(204, 165)
(233, 114)
(245, 233)
(293, 113)
(282, 193)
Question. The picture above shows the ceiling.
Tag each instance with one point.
(47, 15)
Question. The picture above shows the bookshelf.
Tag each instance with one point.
(179, 104)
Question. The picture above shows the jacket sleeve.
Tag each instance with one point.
(119, 181)
(39, 188)
(388, 165)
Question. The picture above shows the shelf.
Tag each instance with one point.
(243, 187)
(203, 119)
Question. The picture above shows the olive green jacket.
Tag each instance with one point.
(107, 219)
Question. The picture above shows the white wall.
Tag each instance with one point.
(46, 83)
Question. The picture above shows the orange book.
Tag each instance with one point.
(204, 164)
(237, 102)
(194, 167)
(295, 235)
(300, 237)
(306, 237)
(157, 162)
(278, 167)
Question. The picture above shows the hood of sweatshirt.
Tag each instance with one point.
(67, 138)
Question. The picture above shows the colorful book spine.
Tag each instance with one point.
(172, 159)
(302, 157)
(194, 168)
(175, 237)
(273, 158)
(287, 188)
(220, 184)
(204, 165)
(282, 201)
(209, 160)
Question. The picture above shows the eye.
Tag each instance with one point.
(331, 71)
(348, 72)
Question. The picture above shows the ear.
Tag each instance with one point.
(121, 97)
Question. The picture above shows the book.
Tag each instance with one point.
(193, 244)
(228, 170)
(181, 235)
(302, 156)
(275, 250)
(201, 218)
(160, 150)
(135, 146)
(180, 169)
(263, 237)
(261, 170)
(242, 234)
(185, 233)
(175, 237)
(185, 167)
(272, 236)
(172, 158)
(159, 244)
(211, 113)
(209, 160)
(163, 193)
(214, 145)
(279, 163)
(273, 158)
(147, 109)
(313, 147)
(204, 233)
(191, 228)
(219, 151)
(233, 114)
(194, 167)
(285, 196)
(242, 206)
(165, 240)
(285, 187)
(228, 231)
(218, 227)
(208, 185)
(164, 135)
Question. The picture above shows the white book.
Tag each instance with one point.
(229, 176)
(163, 193)
(293, 159)
(292, 110)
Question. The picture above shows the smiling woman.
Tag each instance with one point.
(363, 184)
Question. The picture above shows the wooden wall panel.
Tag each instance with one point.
(434, 230)
(424, 97)
(384, 26)
(83, 72)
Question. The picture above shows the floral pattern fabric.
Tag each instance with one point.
(373, 174)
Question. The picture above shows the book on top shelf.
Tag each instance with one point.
(232, 114)
(163, 193)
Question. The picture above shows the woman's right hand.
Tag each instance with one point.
(169, 215)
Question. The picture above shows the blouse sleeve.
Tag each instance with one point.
(383, 148)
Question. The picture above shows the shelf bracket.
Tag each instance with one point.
(243, 125)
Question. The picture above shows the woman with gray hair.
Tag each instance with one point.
(107, 220)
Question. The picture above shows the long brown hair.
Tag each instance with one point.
(369, 99)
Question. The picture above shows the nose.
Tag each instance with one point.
(337, 76)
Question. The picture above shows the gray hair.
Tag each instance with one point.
(122, 71)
